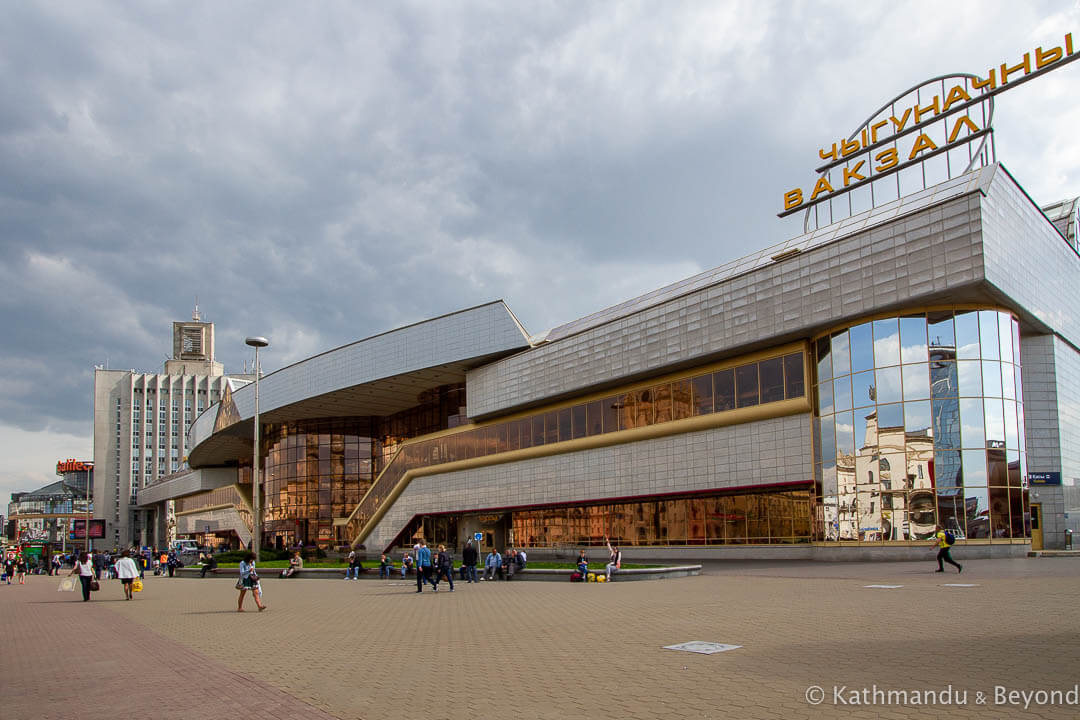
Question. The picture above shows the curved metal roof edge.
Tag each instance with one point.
(244, 384)
(498, 301)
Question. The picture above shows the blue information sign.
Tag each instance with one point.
(478, 537)
(1046, 478)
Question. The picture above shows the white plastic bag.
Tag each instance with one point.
(67, 584)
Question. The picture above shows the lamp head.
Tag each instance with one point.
(257, 341)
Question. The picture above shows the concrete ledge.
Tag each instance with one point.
(531, 574)
(563, 575)
(1054, 553)
(274, 573)
(821, 552)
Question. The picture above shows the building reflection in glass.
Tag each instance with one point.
(919, 421)
(779, 517)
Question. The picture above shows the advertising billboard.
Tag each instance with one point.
(78, 529)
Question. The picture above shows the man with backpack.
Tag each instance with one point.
(944, 540)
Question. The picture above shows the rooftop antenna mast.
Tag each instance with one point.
(195, 313)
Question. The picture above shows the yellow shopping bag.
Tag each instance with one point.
(136, 586)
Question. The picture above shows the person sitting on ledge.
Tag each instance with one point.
(406, 565)
(386, 566)
(296, 564)
(582, 564)
(209, 563)
(355, 567)
(615, 560)
(512, 563)
(493, 565)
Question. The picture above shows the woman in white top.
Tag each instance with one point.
(127, 572)
(249, 580)
(85, 569)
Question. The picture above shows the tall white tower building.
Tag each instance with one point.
(141, 421)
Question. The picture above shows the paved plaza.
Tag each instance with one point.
(373, 649)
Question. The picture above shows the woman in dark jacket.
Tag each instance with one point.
(444, 567)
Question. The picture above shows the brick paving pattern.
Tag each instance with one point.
(372, 649)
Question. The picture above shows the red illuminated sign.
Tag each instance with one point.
(73, 465)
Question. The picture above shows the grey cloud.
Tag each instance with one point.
(325, 173)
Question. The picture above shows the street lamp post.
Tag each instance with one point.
(256, 541)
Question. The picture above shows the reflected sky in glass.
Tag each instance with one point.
(967, 335)
(913, 339)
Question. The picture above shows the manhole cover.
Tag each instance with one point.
(960, 585)
(884, 587)
(705, 648)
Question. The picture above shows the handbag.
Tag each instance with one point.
(239, 583)
(94, 585)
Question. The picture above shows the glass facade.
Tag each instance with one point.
(316, 470)
(919, 419)
(748, 384)
(775, 517)
(734, 519)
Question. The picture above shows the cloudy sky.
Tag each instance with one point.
(317, 173)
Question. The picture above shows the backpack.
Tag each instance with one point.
(950, 539)
(576, 577)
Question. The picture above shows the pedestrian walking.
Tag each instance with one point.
(469, 556)
(444, 567)
(9, 569)
(85, 570)
(249, 580)
(127, 572)
(614, 560)
(20, 570)
(943, 540)
(423, 565)
(172, 560)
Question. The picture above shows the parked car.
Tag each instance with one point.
(185, 547)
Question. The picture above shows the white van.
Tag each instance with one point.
(185, 547)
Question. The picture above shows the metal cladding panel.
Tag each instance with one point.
(203, 426)
(1051, 376)
(920, 248)
(1029, 260)
(456, 338)
(187, 483)
(1067, 365)
(778, 451)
